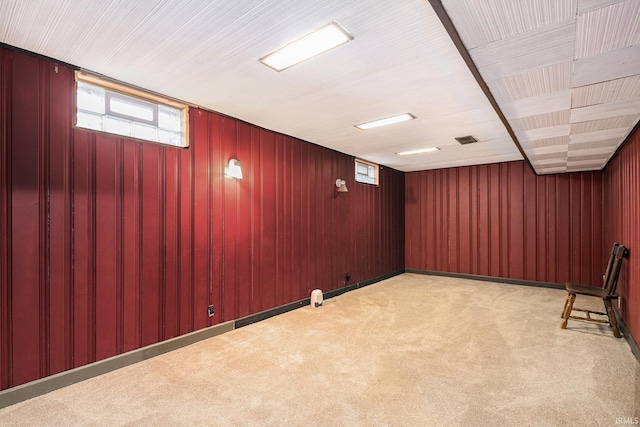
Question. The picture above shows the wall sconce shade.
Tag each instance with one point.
(342, 186)
(233, 170)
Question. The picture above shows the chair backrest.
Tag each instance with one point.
(609, 264)
(614, 272)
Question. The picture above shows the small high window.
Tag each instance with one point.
(109, 107)
(366, 172)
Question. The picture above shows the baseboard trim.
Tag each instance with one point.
(627, 335)
(48, 384)
(489, 278)
(263, 315)
(354, 286)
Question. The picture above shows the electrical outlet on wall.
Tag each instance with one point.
(210, 310)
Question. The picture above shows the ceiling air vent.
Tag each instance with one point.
(466, 139)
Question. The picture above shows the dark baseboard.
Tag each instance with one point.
(488, 278)
(48, 384)
(354, 286)
(257, 317)
(627, 335)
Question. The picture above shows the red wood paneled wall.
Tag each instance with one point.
(502, 220)
(621, 186)
(109, 244)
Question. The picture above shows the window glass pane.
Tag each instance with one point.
(90, 98)
(89, 120)
(169, 118)
(112, 109)
(366, 173)
(131, 108)
(140, 130)
(118, 126)
(167, 137)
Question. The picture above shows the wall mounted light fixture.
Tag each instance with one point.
(342, 186)
(233, 170)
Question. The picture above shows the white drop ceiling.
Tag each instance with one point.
(564, 73)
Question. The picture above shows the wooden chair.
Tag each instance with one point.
(607, 292)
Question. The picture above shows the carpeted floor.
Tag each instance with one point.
(410, 351)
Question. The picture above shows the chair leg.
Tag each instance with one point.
(568, 306)
(612, 318)
(565, 307)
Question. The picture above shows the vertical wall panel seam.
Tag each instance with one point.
(44, 227)
(489, 227)
(211, 133)
(6, 369)
(162, 255)
(68, 221)
(72, 281)
(120, 238)
(276, 242)
(91, 329)
(179, 282)
(139, 229)
(525, 237)
(192, 219)
(252, 220)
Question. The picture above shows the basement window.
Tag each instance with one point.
(366, 172)
(113, 108)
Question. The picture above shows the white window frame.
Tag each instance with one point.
(131, 95)
(372, 168)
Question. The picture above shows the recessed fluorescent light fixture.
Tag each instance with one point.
(321, 40)
(389, 120)
(420, 151)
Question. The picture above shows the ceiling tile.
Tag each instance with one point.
(591, 164)
(548, 142)
(607, 66)
(552, 170)
(540, 104)
(601, 135)
(605, 145)
(598, 125)
(612, 90)
(582, 149)
(559, 160)
(585, 6)
(563, 149)
(542, 47)
(545, 120)
(543, 133)
(484, 21)
(540, 81)
(605, 111)
(607, 29)
(546, 156)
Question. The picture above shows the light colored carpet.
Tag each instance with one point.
(410, 351)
